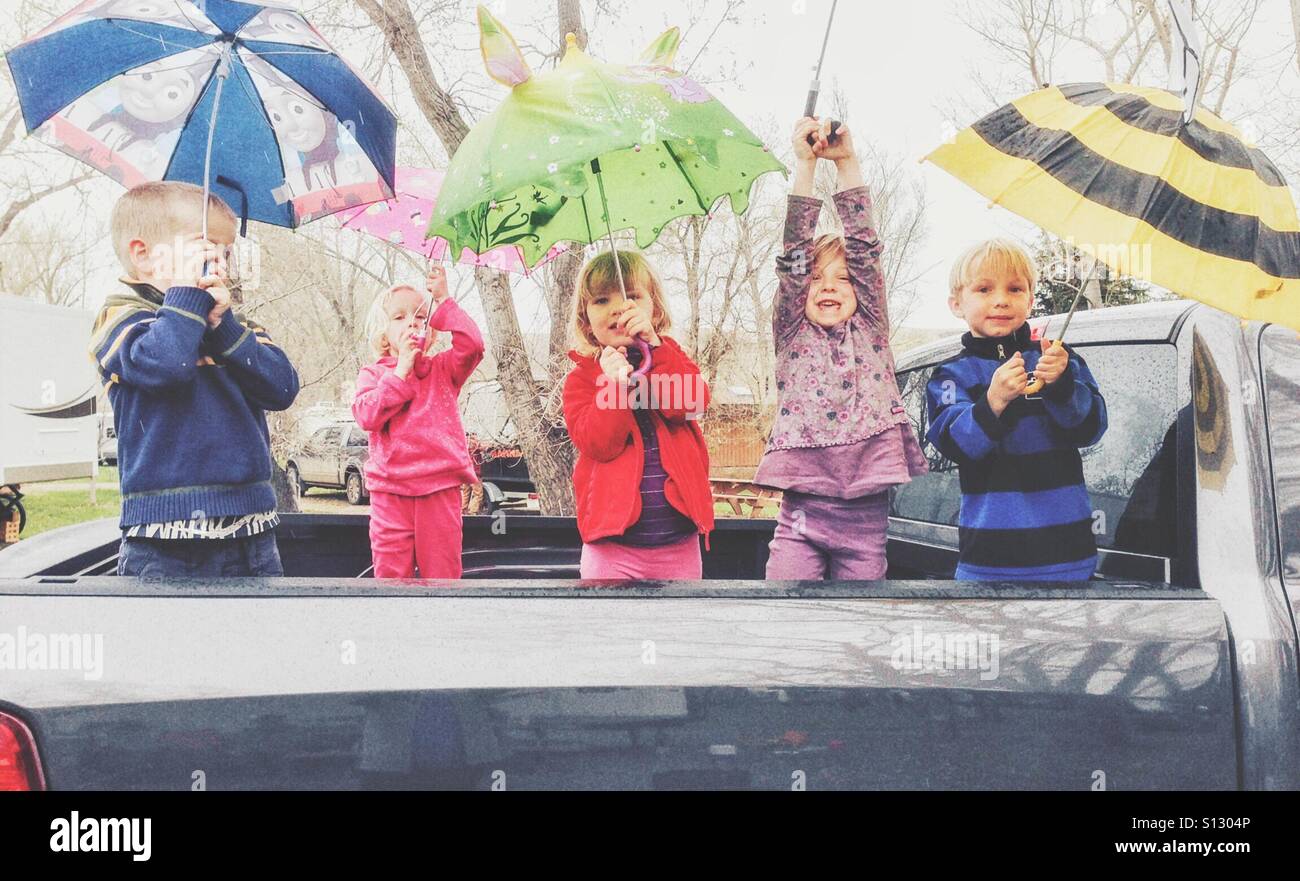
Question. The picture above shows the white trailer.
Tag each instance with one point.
(48, 386)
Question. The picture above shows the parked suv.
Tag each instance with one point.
(333, 457)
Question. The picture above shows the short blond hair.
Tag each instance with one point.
(377, 318)
(599, 277)
(1000, 257)
(827, 246)
(157, 212)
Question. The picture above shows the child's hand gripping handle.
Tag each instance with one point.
(1036, 384)
(423, 363)
(646, 360)
(809, 109)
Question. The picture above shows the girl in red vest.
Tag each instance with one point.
(642, 477)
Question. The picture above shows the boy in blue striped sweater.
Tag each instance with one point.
(189, 382)
(1025, 514)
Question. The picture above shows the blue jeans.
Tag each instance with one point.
(256, 555)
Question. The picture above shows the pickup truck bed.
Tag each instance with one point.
(1175, 668)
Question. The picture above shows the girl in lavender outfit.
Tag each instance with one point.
(841, 437)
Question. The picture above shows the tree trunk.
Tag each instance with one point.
(1295, 24)
(548, 462)
(286, 500)
(571, 23)
(548, 465)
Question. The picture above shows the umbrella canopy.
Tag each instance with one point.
(129, 87)
(524, 176)
(403, 219)
(1113, 168)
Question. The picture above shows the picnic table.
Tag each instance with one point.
(739, 493)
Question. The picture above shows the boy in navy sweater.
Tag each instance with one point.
(1025, 514)
(189, 382)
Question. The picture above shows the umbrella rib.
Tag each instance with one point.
(189, 116)
(261, 105)
(699, 199)
(297, 93)
(181, 10)
(117, 23)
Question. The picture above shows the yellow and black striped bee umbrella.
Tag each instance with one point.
(1112, 168)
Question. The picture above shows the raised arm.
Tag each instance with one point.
(260, 367)
(466, 342)
(862, 250)
(794, 266)
(153, 351)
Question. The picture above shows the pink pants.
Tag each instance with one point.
(610, 559)
(407, 532)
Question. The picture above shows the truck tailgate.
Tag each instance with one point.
(294, 684)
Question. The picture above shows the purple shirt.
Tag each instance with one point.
(841, 430)
(849, 471)
(660, 523)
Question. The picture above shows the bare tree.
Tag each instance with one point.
(550, 471)
(1295, 25)
(1120, 36)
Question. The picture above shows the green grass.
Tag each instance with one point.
(49, 507)
(54, 508)
(722, 509)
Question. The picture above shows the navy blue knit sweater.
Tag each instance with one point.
(188, 405)
(1025, 514)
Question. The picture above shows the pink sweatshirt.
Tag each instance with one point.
(417, 443)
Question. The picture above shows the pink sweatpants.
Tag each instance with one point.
(610, 559)
(407, 532)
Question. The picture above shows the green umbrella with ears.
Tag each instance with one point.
(589, 149)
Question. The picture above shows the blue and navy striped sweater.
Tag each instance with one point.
(1025, 514)
(189, 405)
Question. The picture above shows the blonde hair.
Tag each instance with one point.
(157, 212)
(1000, 257)
(599, 277)
(827, 246)
(376, 324)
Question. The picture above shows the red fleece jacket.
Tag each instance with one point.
(417, 443)
(611, 454)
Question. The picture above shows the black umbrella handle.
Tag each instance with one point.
(810, 108)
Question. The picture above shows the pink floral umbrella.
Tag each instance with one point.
(402, 221)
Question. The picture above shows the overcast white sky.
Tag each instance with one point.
(901, 66)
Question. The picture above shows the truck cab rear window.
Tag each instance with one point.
(1280, 354)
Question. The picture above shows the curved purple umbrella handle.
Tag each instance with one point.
(646, 360)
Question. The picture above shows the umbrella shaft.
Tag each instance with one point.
(822, 57)
(223, 69)
(647, 359)
(810, 106)
(609, 228)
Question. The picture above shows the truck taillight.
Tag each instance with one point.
(20, 766)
